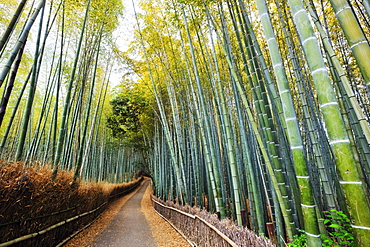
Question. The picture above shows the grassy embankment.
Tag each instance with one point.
(31, 202)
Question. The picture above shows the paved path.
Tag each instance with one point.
(129, 227)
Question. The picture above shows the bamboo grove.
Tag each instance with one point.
(261, 106)
(56, 65)
(237, 106)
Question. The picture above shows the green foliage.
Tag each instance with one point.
(339, 231)
(131, 116)
(299, 240)
(125, 115)
(104, 12)
(7, 10)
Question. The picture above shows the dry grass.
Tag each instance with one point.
(240, 236)
(29, 193)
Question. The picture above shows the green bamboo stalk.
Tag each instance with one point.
(7, 93)
(359, 124)
(256, 132)
(10, 28)
(59, 80)
(63, 126)
(342, 75)
(296, 144)
(310, 120)
(355, 36)
(33, 146)
(366, 4)
(229, 137)
(206, 134)
(274, 96)
(32, 91)
(95, 123)
(253, 184)
(261, 104)
(20, 42)
(339, 142)
(15, 109)
(79, 162)
(179, 178)
(175, 112)
(214, 124)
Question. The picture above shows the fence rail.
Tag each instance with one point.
(197, 230)
(61, 223)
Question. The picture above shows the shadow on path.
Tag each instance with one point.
(129, 227)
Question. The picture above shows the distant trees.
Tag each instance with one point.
(125, 115)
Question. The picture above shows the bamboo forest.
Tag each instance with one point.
(256, 111)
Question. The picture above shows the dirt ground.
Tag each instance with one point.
(163, 233)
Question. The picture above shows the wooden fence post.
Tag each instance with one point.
(248, 204)
(271, 232)
(244, 217)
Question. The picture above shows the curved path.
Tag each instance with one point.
(129, 227)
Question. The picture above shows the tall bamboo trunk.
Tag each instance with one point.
(339, 142)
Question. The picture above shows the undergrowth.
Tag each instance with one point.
(339, 231)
